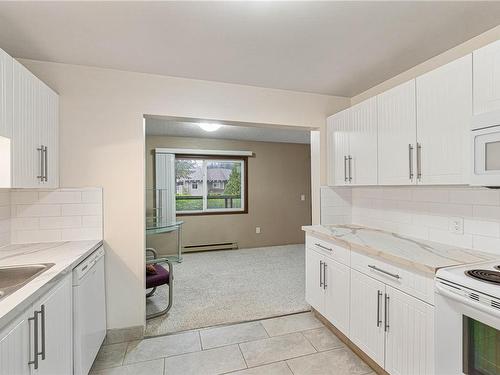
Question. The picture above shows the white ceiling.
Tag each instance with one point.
(338, 48)
(189, 128)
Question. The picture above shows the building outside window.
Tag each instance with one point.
(210, 185)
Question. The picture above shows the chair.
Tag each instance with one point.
(161, 277)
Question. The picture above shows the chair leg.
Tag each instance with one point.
(151, 293)
(170, 293)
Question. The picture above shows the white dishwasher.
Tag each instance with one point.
(89, 311)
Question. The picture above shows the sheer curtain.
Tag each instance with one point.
(164, 192)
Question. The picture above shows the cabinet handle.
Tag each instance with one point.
(323, 247)
(410, 160)
(345, 168)
(324, 275)
(42, 168)
(350, 168)
(419, 161)
(34, 362)
(375, 268)
(45, 161)
(386, 312)
(42, 313)
(379, 321)
(320, 271)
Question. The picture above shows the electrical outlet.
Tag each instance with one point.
(302, 197)
(257, 230)
(457, 225)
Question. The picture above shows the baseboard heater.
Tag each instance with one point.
(211, 246)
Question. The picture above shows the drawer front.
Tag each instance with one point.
(329, 249)
(413, 283)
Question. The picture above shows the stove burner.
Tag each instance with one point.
(489, 276)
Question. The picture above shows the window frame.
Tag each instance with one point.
(223, 211)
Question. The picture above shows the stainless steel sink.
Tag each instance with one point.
(14, 277)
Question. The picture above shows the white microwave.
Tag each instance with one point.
(486, 157)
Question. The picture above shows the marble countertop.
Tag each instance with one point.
(413, 253)
(64, 255)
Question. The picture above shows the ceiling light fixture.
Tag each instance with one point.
(209, 127)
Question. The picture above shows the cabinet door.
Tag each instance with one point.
(366, 328)
(409, 348)
(444, 115)
(363, 142)
(314, 275)
(5, 94)
(397, 133)
(337, 280)
(26, 156)
(338, 147)
(16, 350)
(487, 79)
(58, 337)
(48, 113)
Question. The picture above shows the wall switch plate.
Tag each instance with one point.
(302, 197)
(257, 230)
(457, 225)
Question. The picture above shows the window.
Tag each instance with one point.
(219, 188)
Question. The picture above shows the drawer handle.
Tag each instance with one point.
(373, 267)
(323, 247)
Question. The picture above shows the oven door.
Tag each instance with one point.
(467, 335)
(486, 157)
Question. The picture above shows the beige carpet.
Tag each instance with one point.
(221, 287)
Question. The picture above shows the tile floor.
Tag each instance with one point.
(289, 345)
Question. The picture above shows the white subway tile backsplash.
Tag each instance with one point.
(487, 212)
(92, 221)
(29, 236)
(60, 222)
(79, 234)
(50, 197)
(430, 195)
(489, 244)
(482, 228)
(424, 212)
(24, 197)
(25, 223)
(37, 210)
(91, 196)
(55, 215)
(81, 209)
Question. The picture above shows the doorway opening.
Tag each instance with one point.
(234, 197)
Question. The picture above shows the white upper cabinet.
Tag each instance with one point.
(352, 145)
(397, 132)
(5, 95)
(363, 143)
(35, 146)
(487, 81)
(444, 115)
(338, 148)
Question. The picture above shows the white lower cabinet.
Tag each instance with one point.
(16, 348)
(409, 342)
(366, 302)
(327, 288)
(367, 311)
(40, 340)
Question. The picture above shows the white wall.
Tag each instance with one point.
(423, 212)
(102, 144)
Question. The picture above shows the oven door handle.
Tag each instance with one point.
(468, 302)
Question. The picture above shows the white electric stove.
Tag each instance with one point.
(467, 319)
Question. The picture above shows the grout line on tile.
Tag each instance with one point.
(244, 359)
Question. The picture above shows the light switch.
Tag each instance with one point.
(302, 197)
(257, 230)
